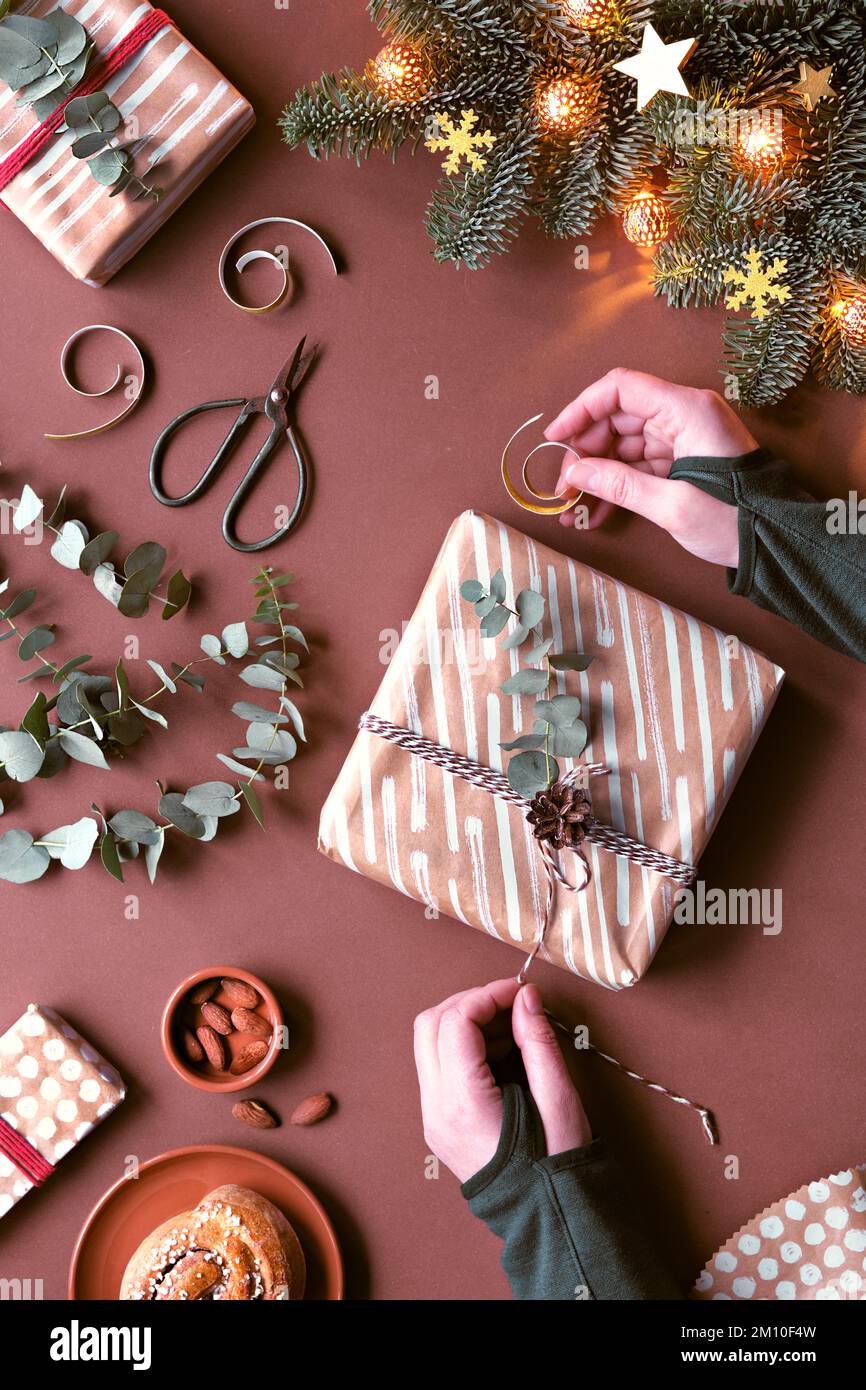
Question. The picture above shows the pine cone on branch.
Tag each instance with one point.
(560, 814)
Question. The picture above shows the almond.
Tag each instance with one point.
(253, 1112)
(239, 992)
(312, 1110)
(247, 1022)
(248, 1057)
(191, 1046)
(214, 1047)
(218, 1018)
(203, 991)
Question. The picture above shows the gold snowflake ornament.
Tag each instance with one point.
(461, 142)
(757, 282)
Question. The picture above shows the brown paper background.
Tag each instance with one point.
(767, 1030)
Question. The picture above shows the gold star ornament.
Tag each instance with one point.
(813, 85)
(657, 66)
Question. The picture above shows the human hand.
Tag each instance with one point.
(461, 1103)
(630, 427)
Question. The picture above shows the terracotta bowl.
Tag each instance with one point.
(180, 1013)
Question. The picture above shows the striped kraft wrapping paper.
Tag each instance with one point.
(180, 112)
(673, 709)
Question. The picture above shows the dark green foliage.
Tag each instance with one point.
(491, 56)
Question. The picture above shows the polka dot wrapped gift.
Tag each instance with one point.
(54, 1089)
(810, 1245)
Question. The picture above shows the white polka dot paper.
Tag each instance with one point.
(811, 1245)
(54, 1088)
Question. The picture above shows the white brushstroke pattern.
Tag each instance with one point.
(440, 707)
(631, 669)
(684, 816)
(617, 812)
(645, 878)
(655, 725)
(475, 839)
(389, 825)
(603, 627)
(674, 676)
(503, 823)
(699, 675)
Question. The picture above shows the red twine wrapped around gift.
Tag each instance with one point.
(135, 40)
(22, 1153)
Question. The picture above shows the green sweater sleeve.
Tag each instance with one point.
(567, 1228)
(795, 558)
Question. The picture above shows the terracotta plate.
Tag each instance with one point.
(176, 1182)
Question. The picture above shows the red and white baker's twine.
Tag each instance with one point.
(19, 1151)
(605, 836)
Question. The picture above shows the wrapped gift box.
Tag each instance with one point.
(187, 117)
(673, 709)
(54, 1089)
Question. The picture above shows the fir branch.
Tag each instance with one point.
(474, 218)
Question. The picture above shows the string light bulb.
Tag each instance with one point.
(762, 147)
(851, 314)
(587, 14)
(646, 220)
(399, 71)
(565, 106)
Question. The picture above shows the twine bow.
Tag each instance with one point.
(561, 819)
(21, 1152)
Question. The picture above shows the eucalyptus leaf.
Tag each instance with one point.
(107, 584)
(29, 508)
(72, 844)
(525, 741)
(266, 738)
(240, 768)
(177, 594)
(36, 641)
(21, 860)
(530, 607)
(84, 750)
(135, 597)
(570, 741)
(163, 676)
(20, 755)
(212, 799)
(146, 556)
(235, 639)
(561, 711)
(570, 661)
(70, 665)
(249, 795)
(81, 110)
(151, 714)
(212, 647)
(54, 761)
(58, 513)
(89, 145)
(153, 854)
(96, 552)
(485, 605)
(296, 635)
(107, 167)
(135, 826)
(19, 604)
(69, 544)
(109, 856)
(180, 673)
(295, 716)
(262, 678)
(172, 807)
(529, 773)
(494, 622)
(126, 728)
(71, 35)
(497, 586)
(525, 682)
(540, 652)
(244, 710)
(77, 690)
(471, 590)
(35, 721)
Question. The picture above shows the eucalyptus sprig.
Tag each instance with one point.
(44, 59)
(130, 589)
(198, 811)
(558, 730)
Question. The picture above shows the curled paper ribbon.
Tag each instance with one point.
(70, 382)
(261, 255)
(605, 836)
(541, 496)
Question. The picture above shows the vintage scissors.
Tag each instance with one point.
(276, 405)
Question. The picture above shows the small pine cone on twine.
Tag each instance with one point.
(559, 815)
